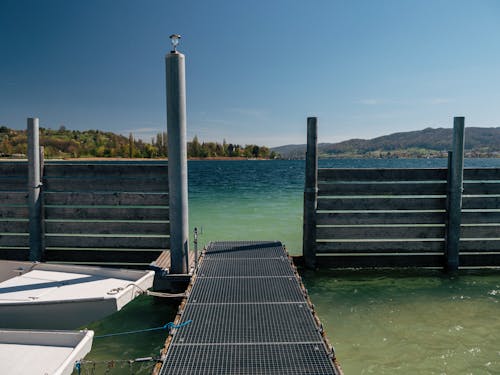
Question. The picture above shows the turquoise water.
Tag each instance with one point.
(387, 322)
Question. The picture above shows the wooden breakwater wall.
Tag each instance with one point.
(113, 213)
(444, 217)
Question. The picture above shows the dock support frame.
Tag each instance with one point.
(310, 194)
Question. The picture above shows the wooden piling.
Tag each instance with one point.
(34, 196)
(310, 194)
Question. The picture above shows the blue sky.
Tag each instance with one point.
(255, 69)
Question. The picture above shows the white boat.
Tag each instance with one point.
(54, 296)
(42, 352)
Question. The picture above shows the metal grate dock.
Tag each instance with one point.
(249, 315)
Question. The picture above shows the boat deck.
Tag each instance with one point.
(250, 315)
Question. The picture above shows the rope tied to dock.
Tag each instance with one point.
(169, 325)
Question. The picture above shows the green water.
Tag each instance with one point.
(389, 322)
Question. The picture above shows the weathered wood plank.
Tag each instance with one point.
(481, 188)
(12, 169)
(14, 253)
(106, 199)
(13, 197)
(140, 242)
(359, 218)
(480, 260)
(489, 203)
(92, 256)
(14, 184)
(384, 174)
(106, 213)
(483, 231)
(379, 260)
(97, 170)
(382, 188)
(7, 212)
(482, 174)
(380, 246)
(14, 226)
(480, 245)
(15, 240)
(107, 227)
(381, 203)
(106, 184)
(480, 217)
(380, 232)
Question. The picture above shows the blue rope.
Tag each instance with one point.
(166, 326)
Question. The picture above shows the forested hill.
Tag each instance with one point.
(479, 142)
(64, 143)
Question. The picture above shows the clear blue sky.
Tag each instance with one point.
(255, 69)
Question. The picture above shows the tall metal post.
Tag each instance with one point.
(454, 198)
(34, 188)
(177, 159)
(310, 194)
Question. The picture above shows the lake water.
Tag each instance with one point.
(391, 322)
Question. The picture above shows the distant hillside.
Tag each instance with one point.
(479, 142)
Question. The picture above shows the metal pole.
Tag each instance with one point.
(177, 161)
(34, 187)
(455, 188)
(310, 194)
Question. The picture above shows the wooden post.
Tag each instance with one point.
(454, 195)
(310, 194)
(34, 188)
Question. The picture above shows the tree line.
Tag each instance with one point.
(64, 143)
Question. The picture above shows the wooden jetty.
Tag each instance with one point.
(250, 315)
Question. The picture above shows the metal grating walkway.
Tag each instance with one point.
(249, 315)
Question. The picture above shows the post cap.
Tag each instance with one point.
(174, 39)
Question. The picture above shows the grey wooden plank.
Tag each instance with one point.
(480, 245)
(102, 256)
(480, 260)
(382, 188)
(13, 197)
(381, 203)
(13, 253)
(380, 246)
(481, 173)
(14, 226)
(484, 202)
(379, 260)
(480, 217)
(159, 185)
(7, 212)
(107, 227)
(382, 174)
(16, 240)
(106, 198)
(13, 169)
(106, 213)
(97, 170)
(139, 242)
(380, 232)
(478, 188)
(481, 231)
(358, 218)
(14, 183)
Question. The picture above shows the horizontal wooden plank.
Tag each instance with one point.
(13, 184)
(16, 240)
(93, 256)
(13, 197)
(381, 203)
(485, 202)
(480, 260)
(106, 213)
(381, 174)
(159, 185)
(380, 232)
(481, 188)
(482, 231)
(141, 242)
(482, 174)
(12, 169)
(12, 226)
(96, 170)
(106, 199)
(359, 218)
(107, 227)
(380, 246)
(479, 245)
(379, 260)
(7, 212)
(382, 188)
(480, 217)
(14, 253)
